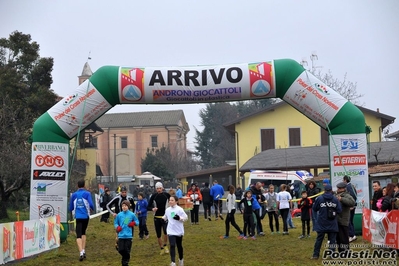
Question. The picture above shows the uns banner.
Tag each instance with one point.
(26, 238)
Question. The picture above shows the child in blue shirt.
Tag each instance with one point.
(123, 223)
(141, 212)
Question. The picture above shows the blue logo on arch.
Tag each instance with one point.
(349, 144)
(261, 88)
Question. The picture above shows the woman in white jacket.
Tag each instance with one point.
(231, 210)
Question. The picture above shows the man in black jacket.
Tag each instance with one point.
(257, 192)
(377, 195)
(105, 199)
(207, 201)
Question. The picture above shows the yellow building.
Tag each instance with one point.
(281, 126)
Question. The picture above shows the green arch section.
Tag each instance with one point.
(284, 75)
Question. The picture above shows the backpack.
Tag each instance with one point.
(331, 211)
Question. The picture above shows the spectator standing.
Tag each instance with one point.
(312, 191)
(272, 210)
(376, 195)
(105, 199)
(206, 201)
(231, 210)
(258, 196)
(123, 223)
(158, 203)
(305, 204)
(350, 188)
(141, 212)
(328, 207)
(81, 204)
(289, 216)
(347, 204)
(239, 192)
(387, 201)
(118, 189)
(194, 194)
(179, 193)
(217, 193)
(284, 202)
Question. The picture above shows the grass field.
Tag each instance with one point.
(202, 246)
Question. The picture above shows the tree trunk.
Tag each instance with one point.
(3, 208)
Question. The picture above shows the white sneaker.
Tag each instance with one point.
(172, 264)
(352, 238)
(181, 262)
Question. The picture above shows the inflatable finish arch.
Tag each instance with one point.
(111, 85)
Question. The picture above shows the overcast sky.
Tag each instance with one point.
(359, 38)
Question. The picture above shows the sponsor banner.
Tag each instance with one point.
(348, 156)
(314, 99)
(49, 180)
(86, 101)
(381, 228)
(26, 238)
(196, 84)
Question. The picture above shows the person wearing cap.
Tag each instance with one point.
(158, 203)
(105, 199)
(327, 207)
(350, 188)
(347, 203)
(326, 181)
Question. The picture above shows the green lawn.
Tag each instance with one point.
(202, 246)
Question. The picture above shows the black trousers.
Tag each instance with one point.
(249, 223)
(230, 219)
(124, 248)
(175, 241)
(284, 214)
(194, 214)
(207, 209)
(273, 214)
(307, 223)
(343, 237)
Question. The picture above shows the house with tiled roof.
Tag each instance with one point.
(128, 136)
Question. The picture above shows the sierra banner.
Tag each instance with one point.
(26, 238)
(381, 228)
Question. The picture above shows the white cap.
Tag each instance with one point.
(158, 185)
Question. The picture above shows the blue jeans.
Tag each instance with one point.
(351, 226)
(289, 220)
(332, 236)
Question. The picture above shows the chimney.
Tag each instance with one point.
(378, 110)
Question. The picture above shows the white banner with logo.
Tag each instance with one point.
(348, 156)
(26, 238)
(49, 180)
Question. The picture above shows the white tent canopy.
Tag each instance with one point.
(147, 175)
